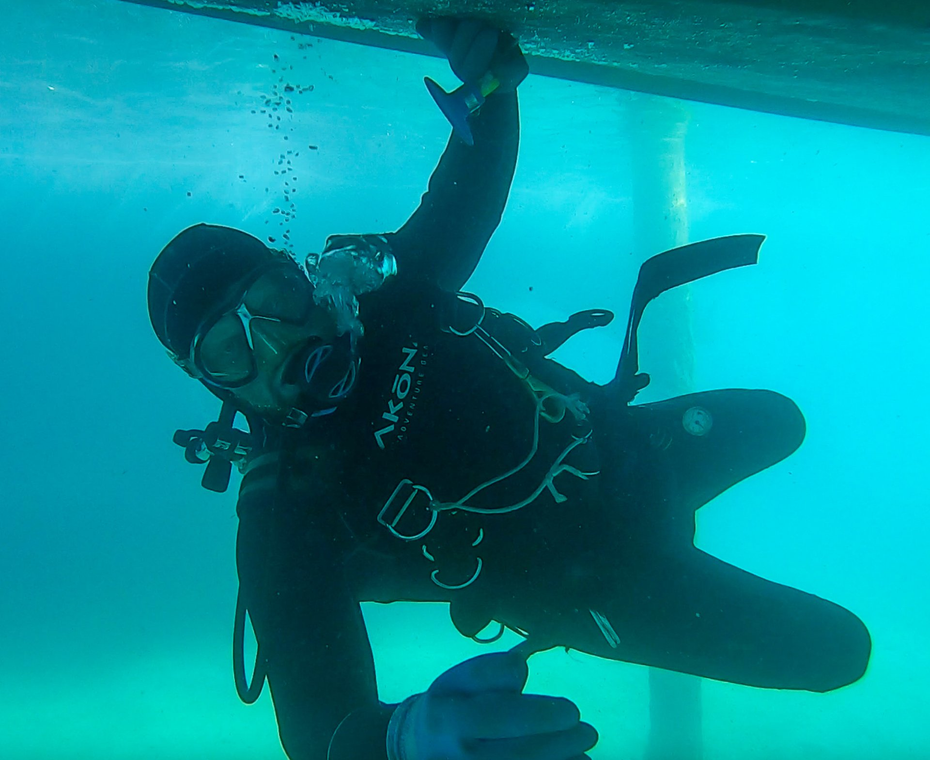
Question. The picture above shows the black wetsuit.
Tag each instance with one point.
(601, 560)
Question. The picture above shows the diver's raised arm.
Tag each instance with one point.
(445, 237)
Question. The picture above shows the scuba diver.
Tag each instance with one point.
(405, 442)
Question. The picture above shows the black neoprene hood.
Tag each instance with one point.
(193, 274)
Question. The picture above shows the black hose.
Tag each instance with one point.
(248, 692)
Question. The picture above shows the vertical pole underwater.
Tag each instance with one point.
(657, 129)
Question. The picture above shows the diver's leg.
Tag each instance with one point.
(696, 614)
(707, 442)
(709, 618)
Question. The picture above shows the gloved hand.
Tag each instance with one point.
(477, 711)
(474, 47)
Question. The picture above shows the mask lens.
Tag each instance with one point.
(282, 295)
(224, 351)
(224, 355)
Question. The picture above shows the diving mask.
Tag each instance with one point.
(274, 327)
(349, 266)
(223, 350)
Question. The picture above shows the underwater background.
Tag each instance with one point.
(121, 125)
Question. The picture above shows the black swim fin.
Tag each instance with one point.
(666, 271)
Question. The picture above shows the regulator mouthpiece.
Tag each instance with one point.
(342, 274)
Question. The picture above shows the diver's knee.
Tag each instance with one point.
(857, 643)
(785, 420)
(850, 648)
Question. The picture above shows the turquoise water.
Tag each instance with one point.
(121, 125)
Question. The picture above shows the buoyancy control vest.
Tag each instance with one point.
(494, 451)
(417, 507)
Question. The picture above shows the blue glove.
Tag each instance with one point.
(474, 48)
(477, 710)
